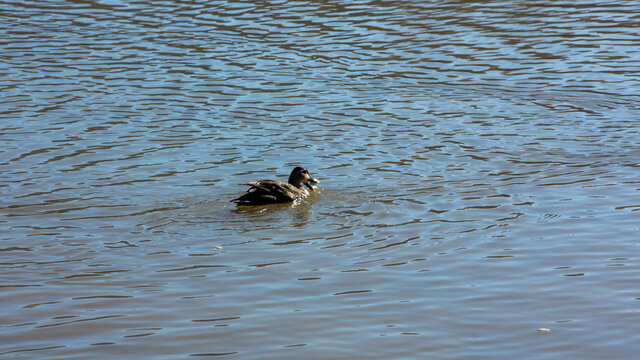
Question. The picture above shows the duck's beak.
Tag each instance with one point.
(311, 182)
(309, 186)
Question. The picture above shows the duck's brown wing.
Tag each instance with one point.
(267, 192)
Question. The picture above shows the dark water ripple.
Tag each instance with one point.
(478, 163)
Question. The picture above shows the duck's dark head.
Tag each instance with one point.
(300, 175)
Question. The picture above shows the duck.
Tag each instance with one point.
(264, 192)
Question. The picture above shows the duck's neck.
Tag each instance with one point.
(293, 182)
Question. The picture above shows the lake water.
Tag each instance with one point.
(479, 167)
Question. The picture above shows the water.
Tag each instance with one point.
(479, 168)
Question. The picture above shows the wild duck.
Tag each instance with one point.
(275, 191)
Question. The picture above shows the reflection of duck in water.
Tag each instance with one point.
(274, 191)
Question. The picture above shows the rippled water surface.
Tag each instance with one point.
(479, 165)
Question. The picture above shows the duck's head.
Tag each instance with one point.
(300, 175)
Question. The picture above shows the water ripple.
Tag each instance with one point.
(473, 157)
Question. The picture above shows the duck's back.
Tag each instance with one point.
(268, 192)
